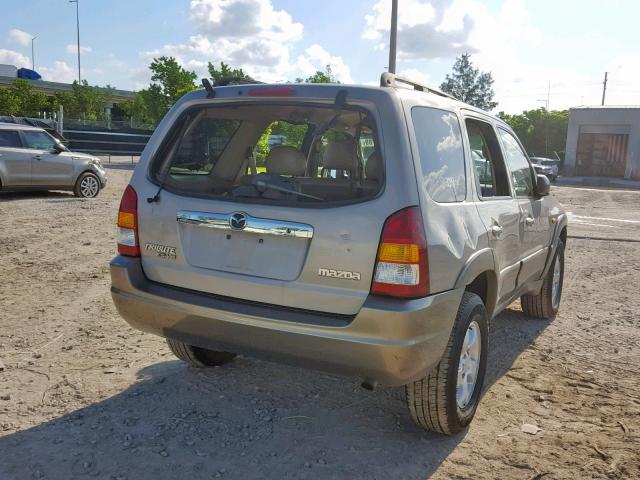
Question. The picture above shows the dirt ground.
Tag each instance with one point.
(82, 395)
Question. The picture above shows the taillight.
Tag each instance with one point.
(402, 269)
(128, 224)
(272, 92)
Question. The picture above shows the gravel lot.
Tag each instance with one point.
(82, 395)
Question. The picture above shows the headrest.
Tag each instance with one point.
(285, 160)
(341, 155)
(373, 168)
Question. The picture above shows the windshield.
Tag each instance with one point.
(295, 153)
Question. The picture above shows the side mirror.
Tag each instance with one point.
(57, 148)
(543, 186)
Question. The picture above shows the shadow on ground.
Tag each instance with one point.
(33, 194)
(250, 419)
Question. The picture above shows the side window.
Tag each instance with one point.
(491, 173)
(518, 165)
(9, 139)
(441, 154)
(201, 146)
(38, 140)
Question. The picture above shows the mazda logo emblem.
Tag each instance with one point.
(238, 220)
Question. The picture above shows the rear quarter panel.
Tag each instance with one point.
(454, 231)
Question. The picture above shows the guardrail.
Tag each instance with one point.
(114, 143)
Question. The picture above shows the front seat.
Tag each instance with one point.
(285, 160)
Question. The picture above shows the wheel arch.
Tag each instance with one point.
(479, 276)
(559, 234)
(82, 172)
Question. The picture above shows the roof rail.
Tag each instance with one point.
(390, 80)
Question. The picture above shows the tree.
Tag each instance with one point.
(83, 101)
(169, 82)
(319, 77)
(541, 132)
(21, 100)
(172, 80)
(262, 147)
(469, 85)
(225, 72)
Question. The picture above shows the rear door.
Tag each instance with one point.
(48, 168)
(498, 209)
(533, 211)
(15, 161)
(216, 230)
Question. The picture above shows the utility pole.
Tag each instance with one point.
(33, 57)
(548, 95)
(394, 36)
(546, 101)
(604, 87)
(78, 30)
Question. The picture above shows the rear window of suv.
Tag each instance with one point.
(294, 154)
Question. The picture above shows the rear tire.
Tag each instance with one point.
(87, 186)
(198, 357)
(440, 402)
(545, 305)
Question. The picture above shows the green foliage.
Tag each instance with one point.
(83, 101)
(319, 77)
(262, 147)
(172, 80)
(541, 132)
(21, 100)
(225, 72)
(294, 133)
(169, 82)
(469, 85)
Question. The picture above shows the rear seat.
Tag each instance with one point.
(339, 156)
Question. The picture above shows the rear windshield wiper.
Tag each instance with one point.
(263, 186)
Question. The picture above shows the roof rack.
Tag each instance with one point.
(390, 80)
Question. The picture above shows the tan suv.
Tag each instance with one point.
(376, 241)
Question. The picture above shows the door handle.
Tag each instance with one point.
(496, 230)
(529, 221)
(37, 157)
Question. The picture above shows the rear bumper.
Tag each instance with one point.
(388, 341)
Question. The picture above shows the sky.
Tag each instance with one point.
(535, 49)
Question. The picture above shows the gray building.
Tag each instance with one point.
(603, 142)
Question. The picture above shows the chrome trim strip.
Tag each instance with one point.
(262, 226)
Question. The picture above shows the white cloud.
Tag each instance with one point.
(20, 37)
(317, 58)
(444, 29)
(73, 48)
(12, 57)
(423, 32)
(244, 18)
(60, 71)
(416, 75)
(247, 34)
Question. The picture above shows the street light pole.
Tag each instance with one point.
(78, 30)
(393, 36)
(33, 57)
